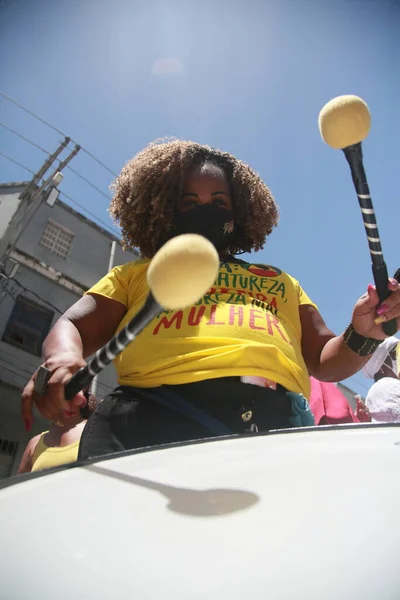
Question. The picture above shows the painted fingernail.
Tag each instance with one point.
(370, 287)
(380, 320)
(68, 413)
(28, 424)
(382, 309)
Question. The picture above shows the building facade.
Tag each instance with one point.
(54, 259)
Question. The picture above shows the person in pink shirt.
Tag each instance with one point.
(328, 405)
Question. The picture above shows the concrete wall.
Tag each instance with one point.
(11, 211)
(9, 202)
(15, 359)
(86, 263)
(89, 255)
(17, 365)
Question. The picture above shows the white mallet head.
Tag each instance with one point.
(344, 121)
(182, 271)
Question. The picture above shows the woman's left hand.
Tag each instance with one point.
(362, 412)
(367, 310)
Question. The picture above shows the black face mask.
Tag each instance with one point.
(214, 223)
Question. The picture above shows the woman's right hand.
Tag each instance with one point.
(62, 366)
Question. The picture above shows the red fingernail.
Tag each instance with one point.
(68, 413)
(382, 309)
(28, 424)
(370, 287)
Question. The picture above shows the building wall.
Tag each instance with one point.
(35, 286)
(9, 203)
(52, 282)
(11, 211)
(89, 254)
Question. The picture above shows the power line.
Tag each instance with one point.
(32, 143)
(21, 374)
(99, 162)
(106, 225)
(90, 183)
(23, 377)
(33, 192)
(24, 369)
(15, 298)
(95, 217)
(56, 130)
(24, 138)
(18, 365)
(29, 291)
(31, 113)
(17, 163)
(26, 374)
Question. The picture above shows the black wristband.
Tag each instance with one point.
(363, 346)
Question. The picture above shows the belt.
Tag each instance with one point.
(300, 411)
(175, 402)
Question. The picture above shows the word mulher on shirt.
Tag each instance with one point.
(253, 318)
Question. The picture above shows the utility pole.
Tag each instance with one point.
(33, 196)
(30, 200)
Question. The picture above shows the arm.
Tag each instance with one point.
(327, 356)
(83, 329)
(25, 466)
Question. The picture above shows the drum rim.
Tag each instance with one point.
(15, 479)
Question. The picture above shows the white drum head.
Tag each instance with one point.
(310, 514)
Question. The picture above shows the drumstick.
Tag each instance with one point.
(344, 122)
(180, 273)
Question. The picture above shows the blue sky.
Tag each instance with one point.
(249, 77)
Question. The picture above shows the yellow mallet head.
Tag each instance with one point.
(344, 121)
(182, 271)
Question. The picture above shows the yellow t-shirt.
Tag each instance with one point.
(45, 457)
(247, 324)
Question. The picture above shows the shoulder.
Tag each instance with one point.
(29, 454)
(130, 269)
(31, 445)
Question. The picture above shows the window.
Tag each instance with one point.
(28, 325)
(57, 239)
(8, 451)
